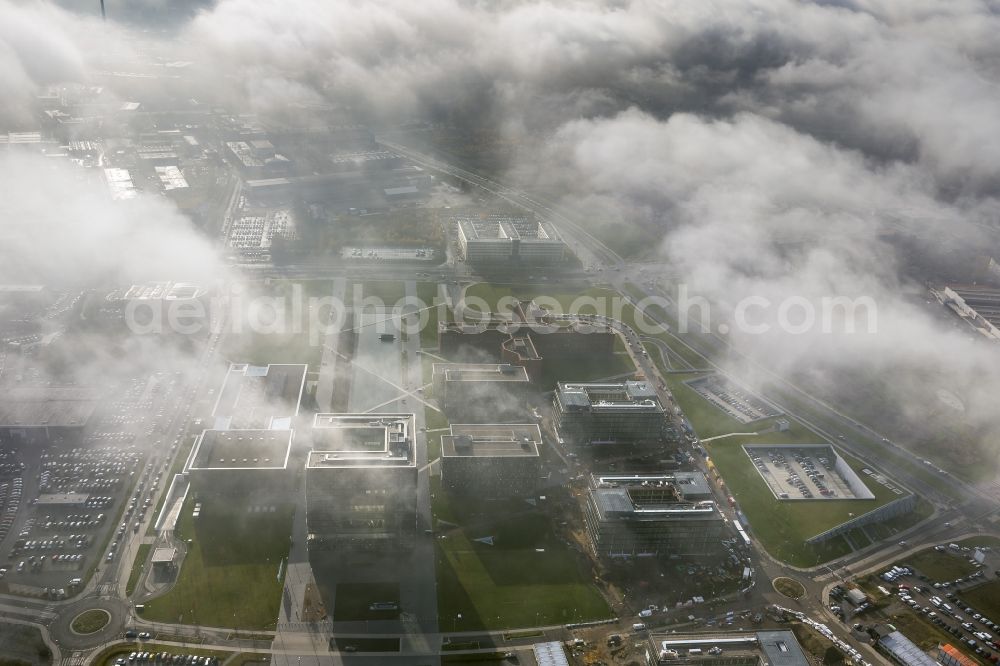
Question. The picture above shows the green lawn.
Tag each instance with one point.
(595, 300)
(940, 567)
(984, 598)
(427, 292)
(527, 578)
(590, 368)
(352, 601)
(263, 348)
(783, 527)
(390, 292)
(90, 621)
(229, 577)
(137, 565)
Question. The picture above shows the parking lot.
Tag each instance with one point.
(739, 404)
(800, 474)
(64, 526)
(387, 253)
(65, 507)
(909, 591)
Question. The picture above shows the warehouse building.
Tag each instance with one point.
(508, 238)
(45, 413)
(480, 391)
(901, 649)
(600, 413)
(361, 482)
(491, 461)
(646, 516)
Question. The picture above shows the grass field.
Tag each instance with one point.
(352, 601)
(940, 567)
(528, 578)
(390, 292)
(427, 292)
(783, 527)
(137, 565)
(229, 577)
(985, 599)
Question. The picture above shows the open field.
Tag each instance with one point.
(527, 578)
(427, 292)
(783, 527)
(229, 577)
(984, 598)
(940, 567)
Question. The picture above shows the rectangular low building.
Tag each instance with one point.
(646, 516)
(361, 481)
(46, 412)
(246, 465)
(487, 392)
(260, 397)
(904, 651)
(764, 648)
(491, 461)
(507, 238)
(609, 413)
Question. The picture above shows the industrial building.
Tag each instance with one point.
(249, 465)
(257, 157)
(361, 482)
(901, 649)
(491, 461)
(508, 238)
(763, 648)
(480, 391)
(45, 413)
(602, 413)
(255, 397)
(646, 516)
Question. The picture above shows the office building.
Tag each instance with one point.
(491, 461)
(599, 413)
(484, 392)
(361, 482)
(645, 516)
(508, 238)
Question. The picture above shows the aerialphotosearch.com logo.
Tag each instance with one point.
(234, 310)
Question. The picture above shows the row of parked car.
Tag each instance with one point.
(166, 658)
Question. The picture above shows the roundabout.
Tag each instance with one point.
(788, 587)
(90, 621)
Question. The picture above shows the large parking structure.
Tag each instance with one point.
(807, 472)
(735, 401)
